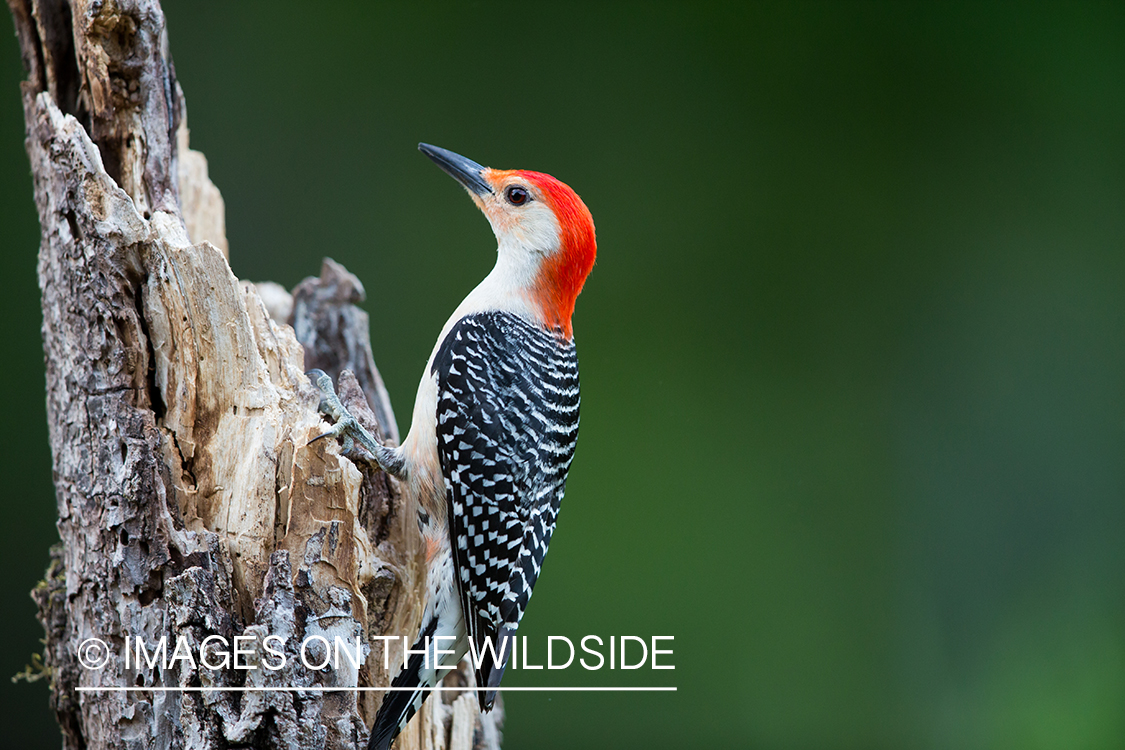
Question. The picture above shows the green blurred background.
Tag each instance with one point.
(852, 355)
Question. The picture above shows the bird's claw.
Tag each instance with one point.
(347, 428)
(331, 407)
(330, 404)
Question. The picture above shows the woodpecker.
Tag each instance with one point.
(493, 432)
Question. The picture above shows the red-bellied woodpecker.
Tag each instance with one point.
(493, 433)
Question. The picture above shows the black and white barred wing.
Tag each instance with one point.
(507, 422)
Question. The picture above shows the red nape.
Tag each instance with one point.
(563, 274)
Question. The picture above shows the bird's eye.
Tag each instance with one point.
(517, 195)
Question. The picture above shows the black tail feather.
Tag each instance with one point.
(398, 707)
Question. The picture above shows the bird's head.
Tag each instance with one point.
(544, 232)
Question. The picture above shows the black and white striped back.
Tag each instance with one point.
(507, 423)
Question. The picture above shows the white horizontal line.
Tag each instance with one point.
(319, 689)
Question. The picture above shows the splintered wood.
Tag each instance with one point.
(192, 509)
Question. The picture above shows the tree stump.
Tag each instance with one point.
(191, 506)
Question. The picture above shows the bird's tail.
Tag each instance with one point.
(413, 685)
(400, 705)
(443, 627)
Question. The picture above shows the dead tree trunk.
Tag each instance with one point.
(190, 504)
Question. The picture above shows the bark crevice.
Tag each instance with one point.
(191, 506)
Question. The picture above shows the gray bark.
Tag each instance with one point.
(190, 502)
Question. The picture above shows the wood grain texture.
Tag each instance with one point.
(190, 502)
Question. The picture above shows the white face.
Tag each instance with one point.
(541, 262)
(521, 219)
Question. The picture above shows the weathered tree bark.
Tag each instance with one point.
(190, 502)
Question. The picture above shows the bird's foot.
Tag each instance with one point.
(346, 428)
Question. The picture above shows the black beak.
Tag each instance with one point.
(465, 171)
